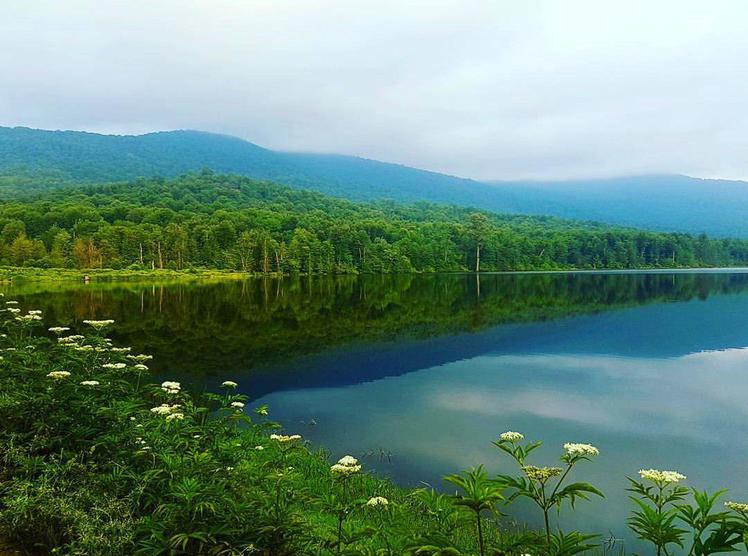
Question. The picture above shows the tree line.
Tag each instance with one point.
(236, 223)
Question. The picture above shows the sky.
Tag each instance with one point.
(487, 89)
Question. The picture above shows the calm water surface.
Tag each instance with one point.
(417, 374)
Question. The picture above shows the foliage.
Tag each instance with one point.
(234, 223)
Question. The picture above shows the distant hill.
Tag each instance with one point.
(32, 159)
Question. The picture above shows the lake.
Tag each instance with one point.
(416, 375)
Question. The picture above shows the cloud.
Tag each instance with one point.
(484, 89)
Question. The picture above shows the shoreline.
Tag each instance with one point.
(9, 275)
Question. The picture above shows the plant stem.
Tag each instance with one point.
(480, 533)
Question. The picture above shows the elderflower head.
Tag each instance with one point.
(34, 312)
(90, 383)
(58, 375)
(140, 367)
(511, 436)
(70, 339)
(541, 474)
(739, 507)
(140, 358)
(165, 409)
(13, 310)
(283, 438)
(175, 417)
(661, 477)
(98, 324)
(229, 384)
(171, 387)
(237, 405)
(83, 348)
(28, 318)
(116, 366)
(347, 465)
(259, 448)
(121, 349)
(58, 329)
(585, 450)
(377, 501)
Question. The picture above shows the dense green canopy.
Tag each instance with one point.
(233, 222)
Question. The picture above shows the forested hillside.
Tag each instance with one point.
(34, 160)
(233, 222)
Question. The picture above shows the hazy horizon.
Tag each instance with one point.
(483, 90)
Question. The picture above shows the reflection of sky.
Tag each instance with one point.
(686, 413)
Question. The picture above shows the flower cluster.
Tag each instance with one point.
(175, 417)
(140, 358)
(511, 436)
(171, 387)
(283, 438)
(377, 501)
(115, 366)
(165, 409)
(347, 465)
(31, 316)
(541, 474)
(98, 324)
(237, 405)
(585, 450)
(58, 375)
(229, 384)
(661, 477)
(90, 383)
(739, 507)
(58, 329)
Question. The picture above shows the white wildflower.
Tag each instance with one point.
(347, 465)
(121, 349)
(140, 358)
(90, 383)
(11, 302)
(229, 384)
(737, 507)
(237, 405)
(259, 447)
(586, 450)
(285, 438)
(175, 417)
(140, 367)
(58, 329)
(116, 366)
(171, 387)
(34, 312)
(84, 348)
(164, 409)
(377, 501)
(98, 324)
(58, 375)
(511, 436)
(661, 477)
(14, 310)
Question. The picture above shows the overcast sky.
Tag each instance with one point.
(483, 89)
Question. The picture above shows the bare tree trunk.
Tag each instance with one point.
(141, 253)
(477, 258)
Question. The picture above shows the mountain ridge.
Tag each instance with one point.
(663, 202)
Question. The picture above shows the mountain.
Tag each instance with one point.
(31, 159)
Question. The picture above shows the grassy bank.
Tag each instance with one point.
(96, 460)
(26, 274)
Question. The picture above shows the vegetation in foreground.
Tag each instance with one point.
(97, 460)
(234, 223)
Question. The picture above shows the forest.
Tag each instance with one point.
(207, 220)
